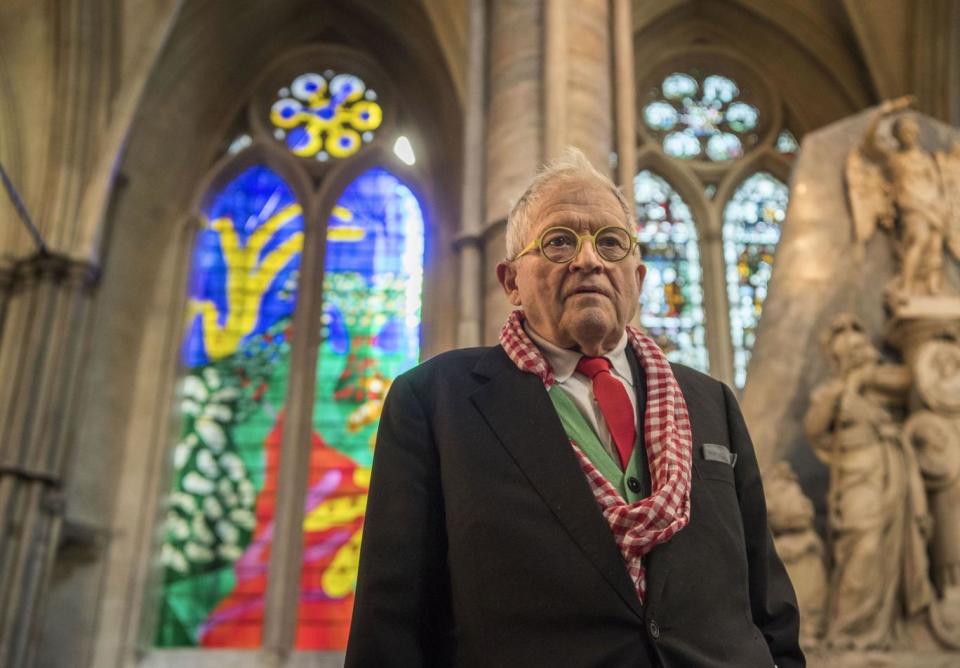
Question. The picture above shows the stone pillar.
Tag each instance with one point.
(469, 243)
(625, 98)
(549, 77)
(46, 302)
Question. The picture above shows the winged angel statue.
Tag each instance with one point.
(910, 192)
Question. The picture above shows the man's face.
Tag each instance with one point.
(587, 302)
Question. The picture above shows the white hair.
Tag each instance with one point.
(572, 165)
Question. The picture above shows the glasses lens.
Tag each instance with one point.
(613, 243)
(559, 245)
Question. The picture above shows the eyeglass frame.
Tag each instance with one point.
(538, 243)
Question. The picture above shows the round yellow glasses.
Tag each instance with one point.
(562, 245)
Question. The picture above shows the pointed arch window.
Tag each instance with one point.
(672, 297)
(721, 127)
(751, 230)
(242, 294)
(373, 277)
(246, 375)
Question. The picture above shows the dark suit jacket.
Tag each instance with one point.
(484, 546)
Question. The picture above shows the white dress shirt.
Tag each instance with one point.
(579, 387)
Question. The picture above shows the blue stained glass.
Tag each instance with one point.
(752, 221)
(246, 257)
(672, 299)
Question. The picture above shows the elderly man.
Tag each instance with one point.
(568, 498)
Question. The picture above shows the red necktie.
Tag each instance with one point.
(614, 404)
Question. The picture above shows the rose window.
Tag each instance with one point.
(326, 116)
(701, 117)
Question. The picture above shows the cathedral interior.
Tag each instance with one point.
(226, 226)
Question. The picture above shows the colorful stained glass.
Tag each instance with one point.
(696, 115)
(672, 300)
(787, 143)
(371, 334)
(242, 294)
(751, 230)
(326, 115)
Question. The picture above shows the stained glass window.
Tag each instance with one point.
(326, 115)
(672, 311)
(698, 116)
(371, 333)
(242, 294)
(751, 230)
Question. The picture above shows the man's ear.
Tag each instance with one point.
(641, 274)
(507, 275)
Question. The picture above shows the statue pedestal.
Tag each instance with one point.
(825, 659)
(918, 320)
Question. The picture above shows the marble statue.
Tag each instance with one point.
(912, 193)
(790, 515)
(877, 511)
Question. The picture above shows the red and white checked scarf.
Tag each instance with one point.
(637, 527)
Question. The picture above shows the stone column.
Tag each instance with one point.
(624, 92)
(469, 243)
(46, 302)
(549, 77)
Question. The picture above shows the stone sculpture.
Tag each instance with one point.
(877, 511)
(912, 193)
(790, 514)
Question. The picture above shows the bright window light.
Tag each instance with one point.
(404, 150)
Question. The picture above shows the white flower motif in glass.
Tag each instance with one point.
(694, 117)
(724, 146)
(682, 144)
(678, 86)
(752, 222)
(660, 115)
(742, 117)
(672, 299)
(716, 87)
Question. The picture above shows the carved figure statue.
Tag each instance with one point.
(877, 514)
(935, 436)
(790, 515)
(912, 193)
(937, 443)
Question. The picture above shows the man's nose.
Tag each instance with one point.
(587, 259)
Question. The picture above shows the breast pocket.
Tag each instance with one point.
(709, 470)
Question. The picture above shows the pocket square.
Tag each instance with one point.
(715, 452)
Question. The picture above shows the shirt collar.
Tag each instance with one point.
(564, 361)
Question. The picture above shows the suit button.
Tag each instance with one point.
(633, 484)
(654, 629)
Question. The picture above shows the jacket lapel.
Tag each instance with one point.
(518, 410)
